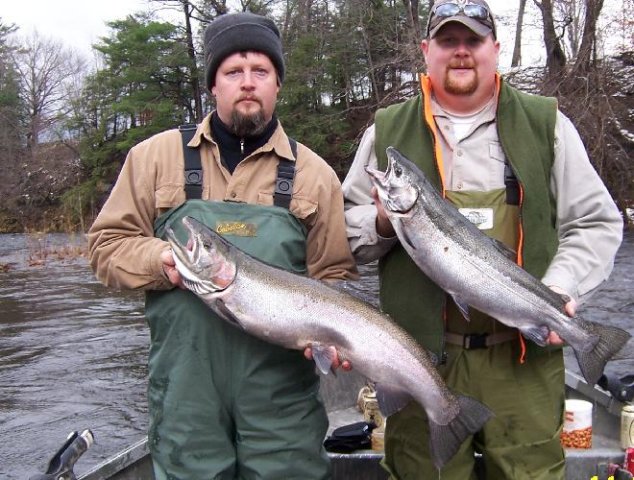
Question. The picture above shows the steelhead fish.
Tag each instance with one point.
(477, 271)
(295, 312)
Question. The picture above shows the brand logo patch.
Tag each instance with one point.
(480, 217)
(237, 229)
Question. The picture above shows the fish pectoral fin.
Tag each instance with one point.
(324, 357)
(405, 238)
(226, 314)
(537, 334)
(391, 399)
(463, 307)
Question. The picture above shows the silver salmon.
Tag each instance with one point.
(478, 271)
(296, 312)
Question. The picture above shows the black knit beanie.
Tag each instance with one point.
(239, 32)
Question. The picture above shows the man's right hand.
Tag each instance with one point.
(169, 268)
(344, 364)
(383, 225)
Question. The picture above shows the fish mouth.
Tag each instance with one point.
(184, 259)
(378, 177)
(395, 193)
(183, 252)
(202, 267)
(382, 180)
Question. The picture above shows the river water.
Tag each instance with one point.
(73, 353)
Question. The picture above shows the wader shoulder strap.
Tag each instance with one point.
(285, 177)
(512, 185)
(194, 172)
(193, 166)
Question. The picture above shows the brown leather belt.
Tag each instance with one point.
(480, 340)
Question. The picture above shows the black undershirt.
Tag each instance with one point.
(234, 149)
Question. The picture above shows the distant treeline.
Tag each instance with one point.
(65, 126)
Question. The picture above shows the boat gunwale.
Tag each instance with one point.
(139, 451)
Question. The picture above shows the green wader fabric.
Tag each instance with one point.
(521, 441)
(223, 404)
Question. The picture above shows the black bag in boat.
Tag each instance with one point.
(621, 388)
(346, 439)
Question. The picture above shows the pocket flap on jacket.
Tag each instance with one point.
(168, 196)
(301, 208)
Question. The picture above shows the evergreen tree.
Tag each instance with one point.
(12, 117)
(11, 107)
(142, 89)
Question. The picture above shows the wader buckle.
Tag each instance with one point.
(475, 340)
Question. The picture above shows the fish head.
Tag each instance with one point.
(205, 262)
(396, 187)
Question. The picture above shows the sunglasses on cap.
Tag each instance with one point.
(451, 9)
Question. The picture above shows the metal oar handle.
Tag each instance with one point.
(61, 465)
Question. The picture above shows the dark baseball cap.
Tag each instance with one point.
(474, 14)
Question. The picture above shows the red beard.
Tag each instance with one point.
(461, 86)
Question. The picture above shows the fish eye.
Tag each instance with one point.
(398, 171)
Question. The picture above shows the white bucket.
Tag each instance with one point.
(577, 432)
(627, 427)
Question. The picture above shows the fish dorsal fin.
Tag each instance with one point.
(324, 357)
(407, 240)
(222, 310)
(391, 399)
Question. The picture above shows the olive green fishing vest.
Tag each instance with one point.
(526, 128)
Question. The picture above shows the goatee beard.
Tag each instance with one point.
(247, 125)
(461, 87)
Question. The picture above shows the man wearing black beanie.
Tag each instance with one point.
(241, 32)
(223, 404)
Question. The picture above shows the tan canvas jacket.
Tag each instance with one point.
(123, 250)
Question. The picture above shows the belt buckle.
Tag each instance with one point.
(475, 340)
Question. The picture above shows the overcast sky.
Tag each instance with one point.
(80, 23)
(77, 23)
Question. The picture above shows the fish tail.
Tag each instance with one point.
(609, 341)
(445, 440)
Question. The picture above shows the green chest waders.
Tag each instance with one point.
(521, 441)
(223, 404)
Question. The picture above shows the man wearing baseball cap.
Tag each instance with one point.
(223, 404)
(516, 163)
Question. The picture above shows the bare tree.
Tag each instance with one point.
(587, 50)
(570, 13)
(555, 56)
(45, 67)
(624, 21)
(517, 49)
(411, 11)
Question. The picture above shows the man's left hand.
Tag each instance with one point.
(570, 309)
(169, 268)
